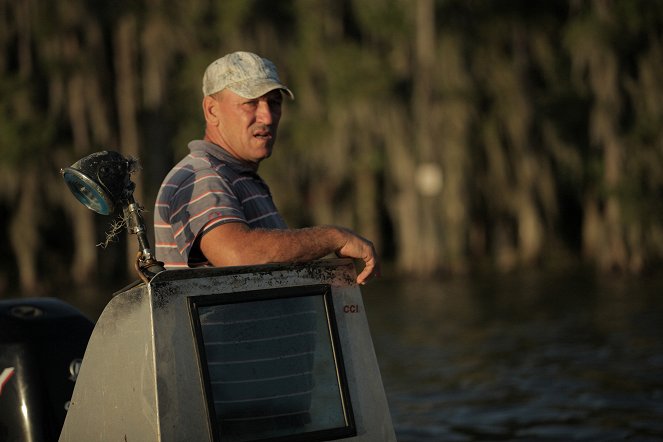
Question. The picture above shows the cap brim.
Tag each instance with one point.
(254, 89)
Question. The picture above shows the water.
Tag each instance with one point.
(549, 357)
(534, 357)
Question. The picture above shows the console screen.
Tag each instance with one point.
(272, 365)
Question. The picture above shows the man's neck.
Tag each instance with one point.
(249, 164)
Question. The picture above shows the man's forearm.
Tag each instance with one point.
(293, 245)
(235, 244)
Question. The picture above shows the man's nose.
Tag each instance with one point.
(264, 113)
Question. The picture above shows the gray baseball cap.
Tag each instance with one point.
(244, 73)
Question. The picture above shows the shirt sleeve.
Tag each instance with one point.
(204, 201)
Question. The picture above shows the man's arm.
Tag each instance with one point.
(236, 244)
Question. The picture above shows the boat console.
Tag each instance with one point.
(277, 352)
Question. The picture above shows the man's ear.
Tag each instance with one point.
(211, 109)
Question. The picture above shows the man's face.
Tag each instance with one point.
(248, 127)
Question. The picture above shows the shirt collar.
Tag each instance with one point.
(223, 155)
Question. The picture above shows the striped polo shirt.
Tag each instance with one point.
(209, 187)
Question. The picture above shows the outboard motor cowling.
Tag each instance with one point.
(42, 342)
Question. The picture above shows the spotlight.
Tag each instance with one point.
(102, 182)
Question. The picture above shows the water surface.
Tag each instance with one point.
(541, 356)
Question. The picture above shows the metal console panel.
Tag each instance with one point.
(141, 377)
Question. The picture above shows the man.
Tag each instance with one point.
(213, 208)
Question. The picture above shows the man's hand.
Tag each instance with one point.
(358, 247)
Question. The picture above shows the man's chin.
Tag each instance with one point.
(263, 155)
(266, 150)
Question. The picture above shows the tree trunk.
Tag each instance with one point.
(23, 231)
(126, 57)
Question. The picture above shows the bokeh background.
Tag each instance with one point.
(459, 135)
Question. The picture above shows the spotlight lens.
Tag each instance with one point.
(87, 192)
